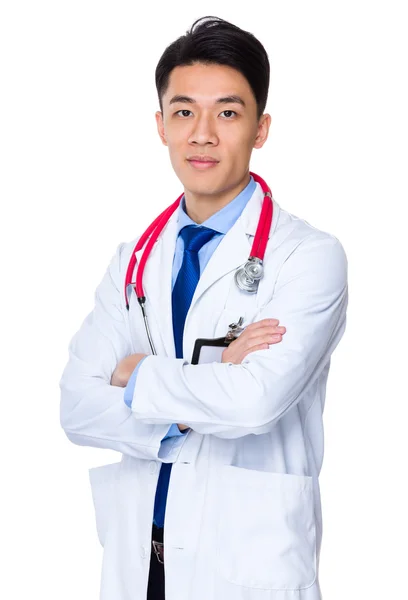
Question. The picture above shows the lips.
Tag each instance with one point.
(202, 162)
(202, 159)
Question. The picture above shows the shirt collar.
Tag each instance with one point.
(224, 218)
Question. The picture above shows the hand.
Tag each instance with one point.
(182, 427)
(125, 368)
(257, 336)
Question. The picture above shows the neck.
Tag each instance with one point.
(201, 207)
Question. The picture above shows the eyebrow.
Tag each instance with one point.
(225, 100)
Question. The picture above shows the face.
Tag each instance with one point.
(209, 111)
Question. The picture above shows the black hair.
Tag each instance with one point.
(212, 40)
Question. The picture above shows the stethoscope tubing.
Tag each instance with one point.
(157, 226)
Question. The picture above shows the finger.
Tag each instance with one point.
(239, 354)
(254, 349)
(263, 345)
(264, 339)
(263, 330)
(260, 335)
(262, 323)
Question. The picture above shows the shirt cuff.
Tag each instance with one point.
(130, 388)
(173, 431)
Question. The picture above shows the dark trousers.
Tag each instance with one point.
(155, 588)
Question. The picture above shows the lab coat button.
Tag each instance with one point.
(153, 467)
(143, 552)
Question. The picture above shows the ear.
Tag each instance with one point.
(263, 130)
(160, 127)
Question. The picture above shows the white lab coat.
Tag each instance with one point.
(243, 517)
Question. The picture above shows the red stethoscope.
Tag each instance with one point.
(246, 277)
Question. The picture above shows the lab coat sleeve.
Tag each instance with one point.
(310, 299)
(92, 411)
(173, 431)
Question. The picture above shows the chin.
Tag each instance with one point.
(202, 188)
(200, 183)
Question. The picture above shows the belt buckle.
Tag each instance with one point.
(159, 551)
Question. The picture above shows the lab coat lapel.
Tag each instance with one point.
(235, 248)
(231, 252)
(157, 287)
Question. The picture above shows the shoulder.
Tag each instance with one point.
(301, 250)
(120, 259)
(293, 233)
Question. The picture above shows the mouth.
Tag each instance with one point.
(202, 162)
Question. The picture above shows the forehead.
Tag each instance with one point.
(207, 82)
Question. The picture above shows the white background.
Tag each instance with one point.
(82, 169)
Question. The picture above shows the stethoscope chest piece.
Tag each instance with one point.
(247, 277)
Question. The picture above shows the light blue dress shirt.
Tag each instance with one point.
(220, 221)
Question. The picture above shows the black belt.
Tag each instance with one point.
(157, 542)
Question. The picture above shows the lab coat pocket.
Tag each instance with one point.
(266, 536)
(103, 481)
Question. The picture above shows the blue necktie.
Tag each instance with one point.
(194, 238)
(184, 287)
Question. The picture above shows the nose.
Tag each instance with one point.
(203, 132)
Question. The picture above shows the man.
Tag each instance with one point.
(217, 493)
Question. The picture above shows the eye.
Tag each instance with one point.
(230, 112)
(183, 110)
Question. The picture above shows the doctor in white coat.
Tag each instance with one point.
(243, 516)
